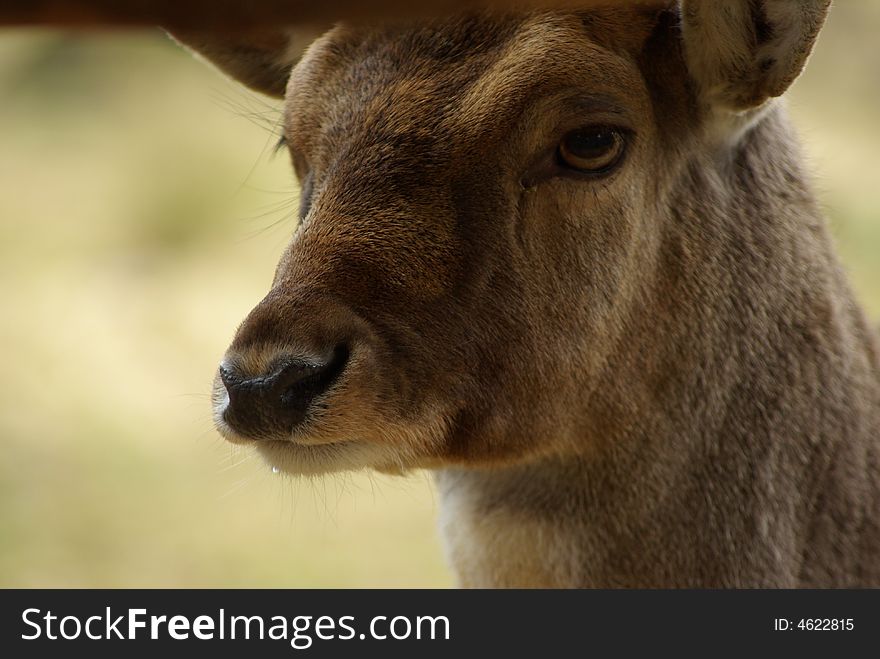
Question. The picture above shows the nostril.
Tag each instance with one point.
(238, 386)
(264, 405)
(229, 378)
(300, 383)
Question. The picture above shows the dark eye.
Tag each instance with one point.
(592, 150)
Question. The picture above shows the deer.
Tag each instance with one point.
(571, 262)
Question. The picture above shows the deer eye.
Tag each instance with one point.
(591, 150)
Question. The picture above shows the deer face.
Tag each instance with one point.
(483, 207)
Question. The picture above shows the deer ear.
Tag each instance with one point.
(262, 60)
(743, 52)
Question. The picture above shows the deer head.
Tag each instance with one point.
(493, 225)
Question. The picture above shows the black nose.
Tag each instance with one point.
(273, 404)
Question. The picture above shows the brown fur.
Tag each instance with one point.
(657, 378)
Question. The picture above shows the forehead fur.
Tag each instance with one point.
(460, 78)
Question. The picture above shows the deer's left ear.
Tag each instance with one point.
(261, 60)
(743, 52)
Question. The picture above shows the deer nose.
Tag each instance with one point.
(273, 404)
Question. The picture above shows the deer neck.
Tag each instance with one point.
(748, 381)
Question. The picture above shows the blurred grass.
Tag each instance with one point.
(141, 217)
(836, 105)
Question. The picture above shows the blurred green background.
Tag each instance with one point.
(141, 216)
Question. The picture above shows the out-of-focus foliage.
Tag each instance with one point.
(141, 217)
